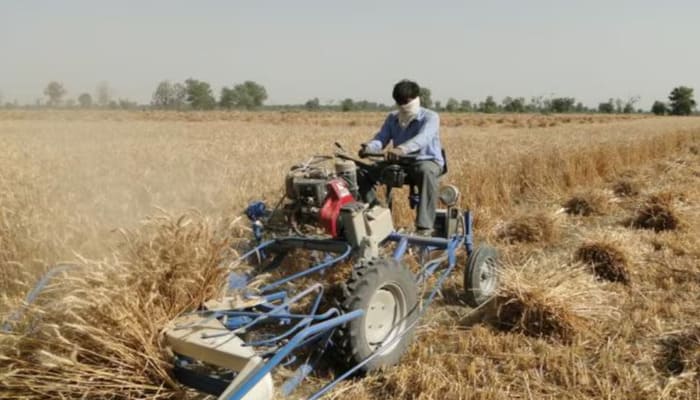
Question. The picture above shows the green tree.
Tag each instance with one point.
(312, 104)
(199, 95)
(607, 107)
(466, 106)
(169, 96)
(514, 105)
(681, 101)
(228, 98)
(562, 104)
(425, 97)
(452, 105)
(347, 105)
(247, 95)
(85, 100)
(488, 106)
(55, 92)
(659, 108)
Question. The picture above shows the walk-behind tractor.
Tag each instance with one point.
(290, 321)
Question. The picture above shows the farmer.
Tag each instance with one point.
(412, 130)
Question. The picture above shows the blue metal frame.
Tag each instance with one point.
(300, 329)
(312, 327)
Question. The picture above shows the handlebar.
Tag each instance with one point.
(405, 157)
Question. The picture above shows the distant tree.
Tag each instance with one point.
(169, 96)
(126, 104)
(103, 94)
(425, 97)
(227, 98)
(580, 107)
(607, 107)
(85, 100)
(537, 103)
(629, 105)
(681, 101)
(659, 108)
(70, 103)
(466, 106)
(199, 95)
(55, 92)
(368, 105)
(347, 105)
(562, 104)
(452, 105)
(180, 95)
(163, 95)
(512, 105)
(619, 105)
(438, 106)
(312, 104)
(247, 95)
(488, 106)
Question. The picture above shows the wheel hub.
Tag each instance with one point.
(487, 277)
(385, 317)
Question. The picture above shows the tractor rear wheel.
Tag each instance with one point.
(385, 290)
(481, 275)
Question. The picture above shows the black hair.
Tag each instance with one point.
(405, 91)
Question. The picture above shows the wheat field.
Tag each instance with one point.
(597, 218)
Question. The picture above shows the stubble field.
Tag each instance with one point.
(597, 217)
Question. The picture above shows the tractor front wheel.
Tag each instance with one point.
(385, 290)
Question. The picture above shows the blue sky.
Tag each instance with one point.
(591, 50)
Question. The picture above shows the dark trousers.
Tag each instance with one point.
(424, 175)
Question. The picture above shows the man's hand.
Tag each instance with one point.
(363, 150)
(395, 154)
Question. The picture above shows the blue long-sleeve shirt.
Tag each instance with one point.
(421, 136)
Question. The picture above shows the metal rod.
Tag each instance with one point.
(261, 371)
(33, 294)
(420, 240)
(401, 248)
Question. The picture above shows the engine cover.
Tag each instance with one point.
(338, 195)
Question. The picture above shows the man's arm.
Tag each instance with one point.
(425, 135)
(381, 139)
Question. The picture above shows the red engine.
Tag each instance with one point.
(338, 195)
(315, 195)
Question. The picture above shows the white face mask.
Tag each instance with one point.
(408, 112)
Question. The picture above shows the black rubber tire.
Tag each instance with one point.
(367, 279)
(481, 275)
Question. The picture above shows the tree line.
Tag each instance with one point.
(198, 95)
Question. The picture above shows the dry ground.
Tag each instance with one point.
(78, 186)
